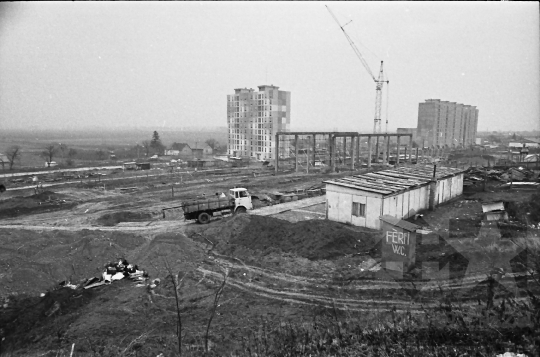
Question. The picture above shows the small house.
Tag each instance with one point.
(184, 150)
(143, 166)
(198, 153)
(361, 200)
(129, 165)
(198, 163)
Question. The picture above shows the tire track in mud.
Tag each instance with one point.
(364, 284)
(312, 299)
(316, 299)
(145, 226)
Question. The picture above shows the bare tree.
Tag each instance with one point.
(49, 152)
(176, 285)
(13, 154)
(63, 149)
(147, 147)
(213, 143)
(214, 307)
(100, 154)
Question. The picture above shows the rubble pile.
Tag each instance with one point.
(112, 271)
(476, 175)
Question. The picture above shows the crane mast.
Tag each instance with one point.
(379, 82)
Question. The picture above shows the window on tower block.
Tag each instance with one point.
(358, 209)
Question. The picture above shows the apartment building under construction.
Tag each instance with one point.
(253, 118)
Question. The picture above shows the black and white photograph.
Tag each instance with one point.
(269, 178)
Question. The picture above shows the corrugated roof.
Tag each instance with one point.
(388, 182)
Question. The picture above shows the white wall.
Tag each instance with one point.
(339, 206)
(339, 201)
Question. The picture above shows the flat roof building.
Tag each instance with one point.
(253, 118)
(446, 124)
(361, 200)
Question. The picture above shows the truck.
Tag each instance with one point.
(237, 201)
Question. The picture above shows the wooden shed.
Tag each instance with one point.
(361, 200)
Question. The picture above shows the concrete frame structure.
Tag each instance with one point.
(354, 143)
(400, 193)
(253, 118)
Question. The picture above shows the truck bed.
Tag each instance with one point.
(208, 204)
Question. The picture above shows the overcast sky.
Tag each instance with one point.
(172, 64)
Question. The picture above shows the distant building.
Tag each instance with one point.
(524, 143)
(197, 153)
(446, 124)
(183, 149)
(408, 131)
(172, 152)
(253, 118)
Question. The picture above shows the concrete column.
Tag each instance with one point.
(405, 158)
(333, 153)
(344, 149)
(377, 149)
(422, 153)
(383, 150)
(330, 150)
(352, 153)
(410, 149)
(358, 152)
(307, 155)
(296, 153)
(388, 148)
(397, 150)
(314, 150)
(417, 156)
(369, 152)
(276, 153)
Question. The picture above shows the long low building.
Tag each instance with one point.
(361, 200)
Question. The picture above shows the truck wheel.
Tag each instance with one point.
(240, 210)
(204, 218)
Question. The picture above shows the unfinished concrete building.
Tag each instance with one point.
(443, 124)
(361, 200)
(253, 118)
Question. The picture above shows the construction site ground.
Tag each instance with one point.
(282, 262)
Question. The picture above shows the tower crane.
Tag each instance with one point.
(379, 82)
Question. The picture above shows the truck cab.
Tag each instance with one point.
(242, 199)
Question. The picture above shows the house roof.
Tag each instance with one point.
(389, 182)
(179, 146)
(411, 227)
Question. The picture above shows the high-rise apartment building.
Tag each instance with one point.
(253, 118)
(446, 124)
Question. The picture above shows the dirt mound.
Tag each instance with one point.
(43, 202)
(32, 262)
(112, 219)
(314, 240)
(181, 253)
(26, 320)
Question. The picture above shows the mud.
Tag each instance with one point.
(112, 219)
(243, 235)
